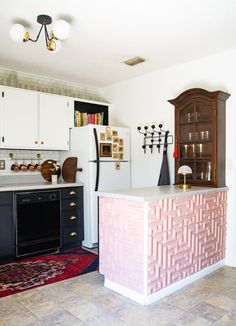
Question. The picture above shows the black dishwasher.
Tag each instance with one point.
(37, 222)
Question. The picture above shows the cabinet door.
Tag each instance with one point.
(20, 115)
(53, 122)
(6, 226)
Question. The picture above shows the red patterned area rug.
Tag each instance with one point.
(29, 273)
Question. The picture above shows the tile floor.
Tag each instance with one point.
(84, 301)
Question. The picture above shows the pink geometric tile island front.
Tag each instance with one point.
(185, 235)
(121, 242)
(145, 250)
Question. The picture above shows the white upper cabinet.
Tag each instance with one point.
(53, 121)
(33, 120)
(19, 118)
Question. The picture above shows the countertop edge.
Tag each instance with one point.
(143, 198)
(38, 186)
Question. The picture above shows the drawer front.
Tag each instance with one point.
(70, 204)
(71, 217)
(71, 235)
(72, 192)
(5, 198)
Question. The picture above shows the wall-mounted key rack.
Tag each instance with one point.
(154, 137)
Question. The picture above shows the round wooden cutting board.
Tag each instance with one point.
(48, 168)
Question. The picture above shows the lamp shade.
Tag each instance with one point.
(185, 169)
(17, 32)
(61, 29)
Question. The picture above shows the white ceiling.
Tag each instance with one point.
(104, 33)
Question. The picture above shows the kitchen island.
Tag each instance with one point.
(155, 240)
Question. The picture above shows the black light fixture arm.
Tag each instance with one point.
(43, 20)
(30, 39)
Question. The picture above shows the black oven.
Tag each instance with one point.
(37, 222)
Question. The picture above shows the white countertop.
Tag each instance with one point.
(32, 183)
(155, 193)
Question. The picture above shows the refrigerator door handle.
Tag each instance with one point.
(97, 159)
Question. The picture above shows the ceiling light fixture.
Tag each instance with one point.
(61, 29)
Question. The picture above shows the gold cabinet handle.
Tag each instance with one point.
(72, 192)
(72, 204)
(73, 234)
(73, 218)
(36, 142)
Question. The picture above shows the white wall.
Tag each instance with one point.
(143, 100)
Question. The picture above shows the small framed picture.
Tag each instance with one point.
(115, 140)
(102, 136)
(114, 133)
(121, 156)
(121, 142)
(108, 137)
(108, 130)
(117, 166)
(105, 150)
(114, 148)
(121, 149)
(115, 156)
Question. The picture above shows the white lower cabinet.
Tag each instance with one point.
(33, 120)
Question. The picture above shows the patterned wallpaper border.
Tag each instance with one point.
(48, 85)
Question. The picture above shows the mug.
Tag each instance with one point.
(15, 167)
(23, 167)
(37, 167)
(54, 178)
(30, 167)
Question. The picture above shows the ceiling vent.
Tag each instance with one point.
(134, 61)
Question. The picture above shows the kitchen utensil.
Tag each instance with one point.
(37, 167)
(23, 167)
(48, 168)
(15, 167)
(69, 169)
(30, 167)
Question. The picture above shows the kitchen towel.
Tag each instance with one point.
(164, 177)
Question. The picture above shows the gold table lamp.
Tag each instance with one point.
(184, 170)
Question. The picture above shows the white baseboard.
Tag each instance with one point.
(146, 300)
(125, 291)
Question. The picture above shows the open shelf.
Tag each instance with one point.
(90, 113)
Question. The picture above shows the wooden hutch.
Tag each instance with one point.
(200, 136)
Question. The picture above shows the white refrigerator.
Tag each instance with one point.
(103, 153)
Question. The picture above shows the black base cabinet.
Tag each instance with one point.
(72, 214)
(72, 222)
(7, 238)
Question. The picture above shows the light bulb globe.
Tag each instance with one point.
(17, 32)
(61, 29)
(55, 47)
